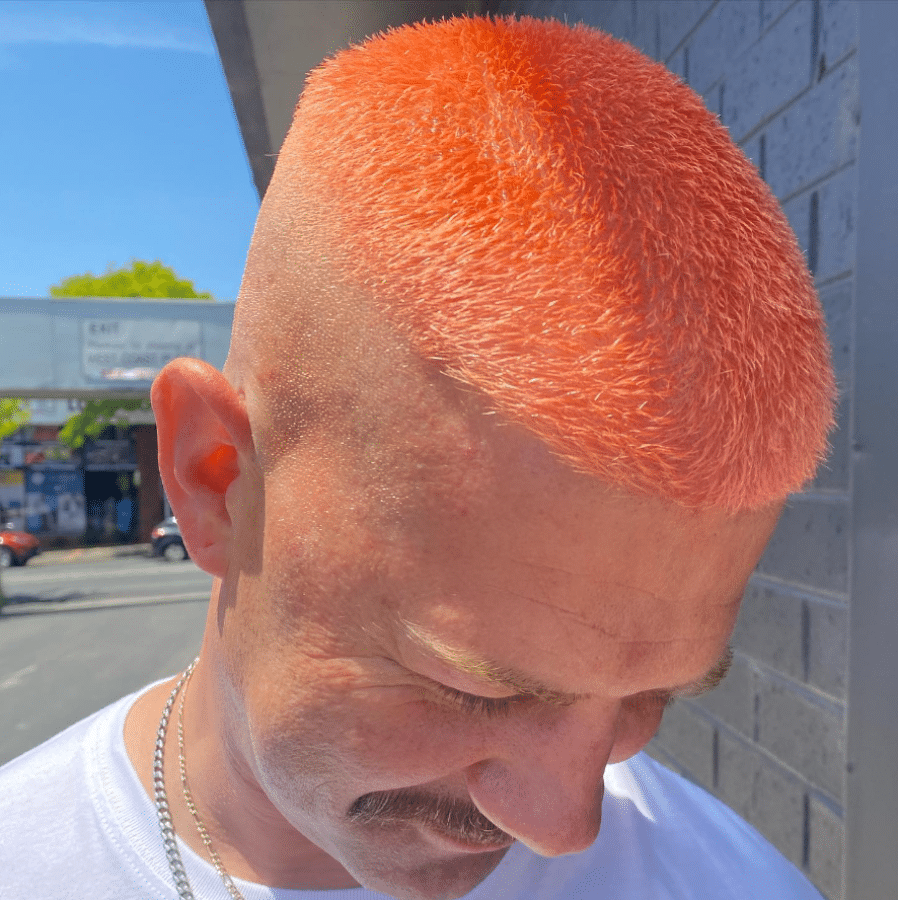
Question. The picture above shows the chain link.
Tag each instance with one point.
(166, 828)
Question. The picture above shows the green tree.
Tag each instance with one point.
(96, 415)
(14, 413)
(142, 279)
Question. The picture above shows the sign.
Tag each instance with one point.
(127, 350)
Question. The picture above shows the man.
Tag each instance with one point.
(524, 365)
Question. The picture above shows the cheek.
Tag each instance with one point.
(413, 743)
(638, 722)
(343, 744)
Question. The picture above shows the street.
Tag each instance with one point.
(77, 635)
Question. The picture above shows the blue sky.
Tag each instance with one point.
(118, 142)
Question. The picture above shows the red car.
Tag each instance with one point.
(17, 547)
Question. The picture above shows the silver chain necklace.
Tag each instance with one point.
(170, 844)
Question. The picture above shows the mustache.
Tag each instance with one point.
(450, 816)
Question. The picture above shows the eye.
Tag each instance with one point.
(472, 703)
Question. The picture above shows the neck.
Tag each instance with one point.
(253, 840)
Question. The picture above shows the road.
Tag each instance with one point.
(78, 635)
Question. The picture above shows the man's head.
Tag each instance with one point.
(524, 364)
(562, 225)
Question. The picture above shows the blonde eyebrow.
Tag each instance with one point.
(708, 682)
(504, 677)
(510, 679)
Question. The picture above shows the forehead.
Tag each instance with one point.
(475, 533)
(622, 598)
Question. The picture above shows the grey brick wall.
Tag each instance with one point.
(783, 76)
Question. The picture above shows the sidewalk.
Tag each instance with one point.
(87, 554)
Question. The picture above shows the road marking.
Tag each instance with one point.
(32, 576)
(16, 677)
(41, 606)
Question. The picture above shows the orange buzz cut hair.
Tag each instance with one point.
(560, 223)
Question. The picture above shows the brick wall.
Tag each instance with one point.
(783, 77)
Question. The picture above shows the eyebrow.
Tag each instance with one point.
(708, 682)
(510, 679)
(467, 663)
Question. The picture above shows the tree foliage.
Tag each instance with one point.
(14, 413)
(96, 415)
(141, 279)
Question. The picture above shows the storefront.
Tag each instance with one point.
(92, 495)
(110, 491)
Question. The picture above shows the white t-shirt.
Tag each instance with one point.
(75, 822)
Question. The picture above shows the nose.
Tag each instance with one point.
(544, 786)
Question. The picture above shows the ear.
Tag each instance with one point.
(202, 431)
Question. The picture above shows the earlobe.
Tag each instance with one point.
(202, 431)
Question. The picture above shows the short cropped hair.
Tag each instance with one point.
(560, 223)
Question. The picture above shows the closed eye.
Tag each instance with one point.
(473, 703)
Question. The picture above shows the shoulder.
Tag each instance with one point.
(56, 776)
(91, 739)
(54, 837)
(49, 765)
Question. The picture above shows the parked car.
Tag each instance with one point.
(16, 547)
(167, 541)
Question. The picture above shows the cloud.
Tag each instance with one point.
(177, 26)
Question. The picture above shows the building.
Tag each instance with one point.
(93, 349)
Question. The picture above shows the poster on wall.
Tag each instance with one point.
(54, 502)
(12, 499)
(11, 455)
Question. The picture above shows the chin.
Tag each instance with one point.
(431, 877)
